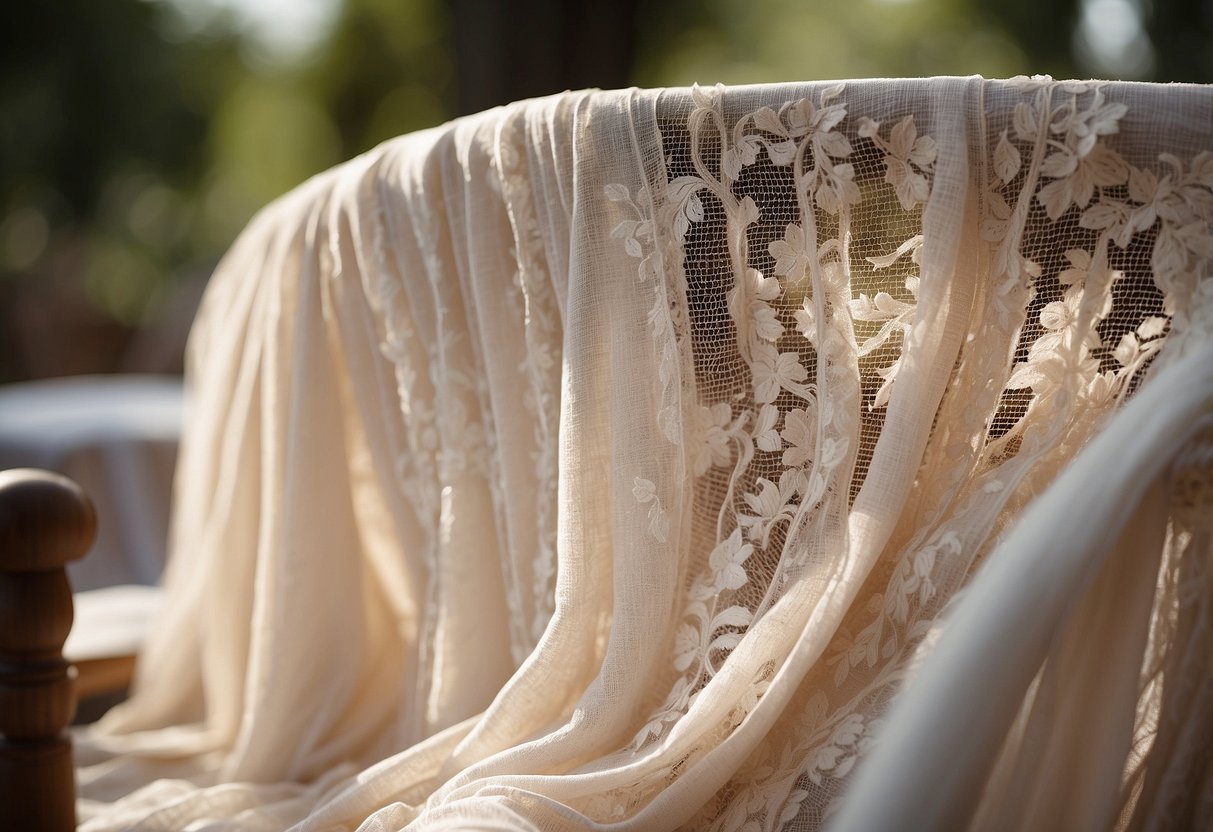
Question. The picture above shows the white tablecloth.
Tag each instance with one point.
(117, 436)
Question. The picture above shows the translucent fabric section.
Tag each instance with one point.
(761, 458)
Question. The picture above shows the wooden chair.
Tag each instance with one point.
(46, 521)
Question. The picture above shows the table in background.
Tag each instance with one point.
(117, 436)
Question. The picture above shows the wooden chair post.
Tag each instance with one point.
(45, 521)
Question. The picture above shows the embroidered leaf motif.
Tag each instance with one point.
(768, 120)
(765, 434)
(766, 321)
(763, 288)
(616, 192)
(1080, 266)
(1024, 120)
(800, 433)
(1006, 159)
(1152, 327)
(645, 492)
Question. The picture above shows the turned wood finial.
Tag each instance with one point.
(45, 521)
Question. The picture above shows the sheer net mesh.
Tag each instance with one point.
(757, 458)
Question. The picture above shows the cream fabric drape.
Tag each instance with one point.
(781, 457)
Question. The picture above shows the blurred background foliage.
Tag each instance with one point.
(138, 136)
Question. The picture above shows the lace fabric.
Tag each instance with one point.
(737, 459)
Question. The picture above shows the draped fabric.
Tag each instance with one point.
(781, 457)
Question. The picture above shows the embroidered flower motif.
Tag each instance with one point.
(742, 154)
(835, 283)
(806, 320)
(772, 503)
(635, 233)
(805, 117)
(686, 647)
(773, 370)
(683, 195)
(780, 152)
(1136, 348)
(1009, 262)
(1181, 247)
(734, 619)
(896, 315)
(747, 700)
(838, 755)
(643, 490)
(908, 158)
(1061, 313)
(750, 310)
(1183, 201)
(837, 185)
(889, 375)
(1053, 366)
(712, 424)
(1076, 177)
(701, 637)
(727, 561)
(1060, 316)
(791, 254)
(800, 432)
(830, 182)
(1078, 163)
(1084, 127)
(766, 321)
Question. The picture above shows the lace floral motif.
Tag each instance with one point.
(1073, 172)
(791, 313)
(814, 347)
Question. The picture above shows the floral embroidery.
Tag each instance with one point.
(771, 503)
(908, 159)
(802, 293)
(726, 561)
(714, 425)
(791, 255)
(645, 493)
(775, 370)
(821, 334)
(838, 756)
(800, 434)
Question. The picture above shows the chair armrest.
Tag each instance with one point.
(105, 677)
(110, 626)
(45, 522)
